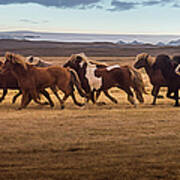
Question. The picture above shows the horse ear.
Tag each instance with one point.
(8, 56)
(31, 59)
(79, 59)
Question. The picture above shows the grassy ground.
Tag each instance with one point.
(114, 141)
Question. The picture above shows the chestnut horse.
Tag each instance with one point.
(33, 79)
(100, 77)
(146, 61)
(8, 81)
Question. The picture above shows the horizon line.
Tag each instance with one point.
(90, 33)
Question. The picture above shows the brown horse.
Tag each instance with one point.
(146, 61)
(169, 72)
(33, 79)
(8, 81)
(100, 77)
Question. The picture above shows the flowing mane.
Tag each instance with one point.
(87, 59)
(150, 60)
(16, 59)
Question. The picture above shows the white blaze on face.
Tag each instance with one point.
(81, 64)
(109, 68)
(94, 82)
(177, 70)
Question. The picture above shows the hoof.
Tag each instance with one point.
(80, 104)
(101, 103)
(51, 105)
(160, 97)
(46, 103)
(153, 104)
(62, 107)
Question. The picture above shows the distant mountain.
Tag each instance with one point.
(135, 42)
(160, 44)
(121, 42)
(174, 43)
(124, 39)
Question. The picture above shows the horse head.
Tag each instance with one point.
(143, 60)
(140, 60)
(76, 61)
(13, 60)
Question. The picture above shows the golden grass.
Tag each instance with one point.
(114, 141)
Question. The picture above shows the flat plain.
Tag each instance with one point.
(109, 142)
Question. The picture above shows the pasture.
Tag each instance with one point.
(110, 142)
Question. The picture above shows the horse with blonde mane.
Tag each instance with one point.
(33, 79)
(99, 77)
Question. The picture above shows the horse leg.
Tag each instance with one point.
(92, 96)
(74, 99)
(26, 98)
(176, 94)
(139, 95)
(46, 94)
(57, 96)
(154, 93)
(16, 96)
(130, 95)
(4, 94)
(110, 97)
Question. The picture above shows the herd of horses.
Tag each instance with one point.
(31, 76)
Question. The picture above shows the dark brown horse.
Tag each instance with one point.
(100, 77)
(32, 80)
(167, 67)
(146, 61)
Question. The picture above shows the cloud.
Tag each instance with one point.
(80, 4)
(32, 21)
(122, 5)
(176, 5)
(155, 2)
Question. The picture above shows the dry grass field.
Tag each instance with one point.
(110, 142)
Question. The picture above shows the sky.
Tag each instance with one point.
(92, 16)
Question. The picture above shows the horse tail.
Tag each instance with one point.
(138, 84)
(77, 83)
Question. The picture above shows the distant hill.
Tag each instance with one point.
(135, 42)
(174, 43)
(97, 49)
(121, 39)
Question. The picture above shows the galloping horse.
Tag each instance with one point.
(33, 79)
(168, 68)
(100, 77)
(8, 81)
(146, 61)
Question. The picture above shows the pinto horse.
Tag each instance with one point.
(32, 80)
(168, 68)
(37, 61)
(100, 77)
(156, 77)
